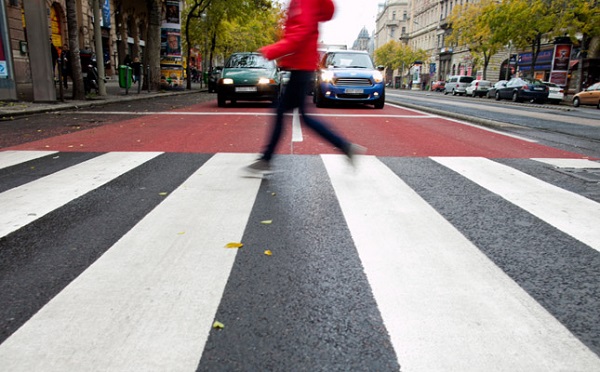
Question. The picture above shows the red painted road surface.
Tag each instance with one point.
(204, 128)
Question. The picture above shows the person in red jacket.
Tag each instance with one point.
(297, 52)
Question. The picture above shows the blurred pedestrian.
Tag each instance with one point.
(297, 52)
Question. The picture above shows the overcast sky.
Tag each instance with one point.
(349, 18)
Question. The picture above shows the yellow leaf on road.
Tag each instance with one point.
(268, 252)
(266, 222)
(218, 325)
(234, 245)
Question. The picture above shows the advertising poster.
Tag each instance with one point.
(560, 64)
(170, 42)
(171, 63)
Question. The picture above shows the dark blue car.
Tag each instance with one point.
(349, 76)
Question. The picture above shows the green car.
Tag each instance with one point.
(248, 77)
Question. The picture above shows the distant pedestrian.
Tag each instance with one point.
(136, 66)
(65, 65)
(54, 54)
(297, 52)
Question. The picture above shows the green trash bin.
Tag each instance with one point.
(125, 76)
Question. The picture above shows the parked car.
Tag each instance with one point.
(438, 86)
(457, 84)
(556, 93)
(213, 78)
(478, 88)
(523, 89)
(349, 76)
(491, 93)
(589, 96)
(248, 77)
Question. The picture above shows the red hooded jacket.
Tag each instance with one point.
(297, 50)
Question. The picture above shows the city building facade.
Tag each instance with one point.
(423, 24)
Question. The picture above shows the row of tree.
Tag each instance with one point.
(219, 27)
(488, 26)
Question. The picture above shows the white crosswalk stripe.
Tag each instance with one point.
(25, 204)
(10, 158)
(417, 264)
(570, 212)
(161, 318)
(149, 302)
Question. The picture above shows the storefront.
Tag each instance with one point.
(543, 64)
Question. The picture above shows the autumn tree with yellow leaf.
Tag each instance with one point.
(394, 55)
(471, 29)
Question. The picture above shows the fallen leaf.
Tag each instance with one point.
(268, 252)
(181, 233)
(266, 222)
(234, 245)
(218, 325)
(163, 193)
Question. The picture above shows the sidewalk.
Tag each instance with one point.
(26, 106)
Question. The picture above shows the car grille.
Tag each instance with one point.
(352, 82)
(352, 96)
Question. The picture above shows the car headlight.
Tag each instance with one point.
(377, 77)
(263, 81)
(327, 76)
(227, 81)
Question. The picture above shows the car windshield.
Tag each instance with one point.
(349, 60)
(248, 61)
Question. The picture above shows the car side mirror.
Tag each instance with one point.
(380, 68)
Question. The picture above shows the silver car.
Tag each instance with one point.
(457, 84)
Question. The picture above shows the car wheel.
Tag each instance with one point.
(515, 97)
(380, 103)
(453, 92)
(220, 100)
(576, 102)
(497, 96)
(445, 92)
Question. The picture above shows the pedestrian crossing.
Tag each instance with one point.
(412, 264)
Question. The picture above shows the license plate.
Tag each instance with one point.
(538, 88)
(245, 89)
(354, 91)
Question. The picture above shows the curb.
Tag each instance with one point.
(27, 108)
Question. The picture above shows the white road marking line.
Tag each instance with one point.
(176, 113)
(569, 212)
(487, 129)
(569, 163)
(10, 158)
(149, 302)
(296, 127)
(446, 306)
(25, 204)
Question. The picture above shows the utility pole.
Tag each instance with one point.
(99, 50)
